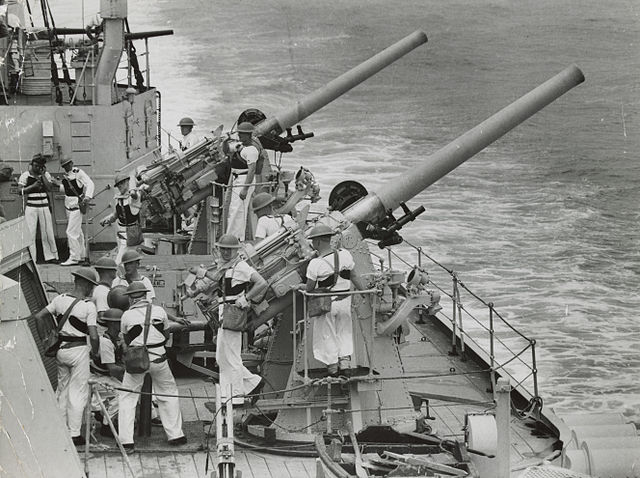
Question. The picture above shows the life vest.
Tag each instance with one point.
(124, 214)
(71, 186)
(231, 292)
(37, 197)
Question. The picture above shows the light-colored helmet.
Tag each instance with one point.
(136, 288)
(261, 200)
(228, 241)
(186, 121)
(245, 127)
(105, 263)
(320, 230)
(131, 91)
(86, 273)
(65, 160)
(130, 256)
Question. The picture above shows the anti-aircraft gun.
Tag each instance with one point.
(289, 367)
(184, 178)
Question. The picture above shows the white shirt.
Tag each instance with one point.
(136, 315)
(99, 298)
(189, 140)
(84, 182)
(268, 225)
(321, 268)
(84, 311)
(249, 154)
(107, 351)
(145, 280)
(239, 274)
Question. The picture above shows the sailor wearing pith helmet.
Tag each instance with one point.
(73, 355)
(148, 324)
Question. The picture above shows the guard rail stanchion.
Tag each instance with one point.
(492, 355)
(454, 346)
(87, 430)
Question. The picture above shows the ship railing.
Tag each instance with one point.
(475, 323)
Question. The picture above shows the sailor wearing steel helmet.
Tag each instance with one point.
(107, 270)
(73, 356)
(189, 138)
(128, 203)
(240, 285)
(163, 382)
(131, 263)
(243, 174)
(268, 222)
(333, 331)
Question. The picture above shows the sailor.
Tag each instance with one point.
(243, 168)
(107, 270)
(78, 191)
(34, 185)
(73, 355)
(131, 263)
(127, 213)
(189, 138)
(163, 382)
(108, 368)
(332, 332)
(240, 285)
(268, 222)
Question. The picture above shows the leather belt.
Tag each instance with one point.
(72, 208)
(37, 205)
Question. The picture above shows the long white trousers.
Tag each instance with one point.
(42, 215)
(333, 333)
(73, 385)
(109, 396)
(75, 236)
(238, 212)
(121, 239)
(168, 407)
(232, 371)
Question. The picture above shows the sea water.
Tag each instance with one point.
(543, 223)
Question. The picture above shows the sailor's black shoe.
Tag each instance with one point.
(129, 447)
(79, 440)
(178, 441)
(255, 393)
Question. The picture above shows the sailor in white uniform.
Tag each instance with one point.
(243, 170)
(131, 262)
(73, 355)
(132, 329)
(241, 284)
(107, 270)
(333, 331)
(78, 190)
(34, 186)
(189, 138)
(268, 222)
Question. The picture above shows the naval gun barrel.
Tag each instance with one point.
(324, 95)
(376, 204)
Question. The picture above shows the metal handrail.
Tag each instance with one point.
(458, 331)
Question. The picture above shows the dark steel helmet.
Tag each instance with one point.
(228, 241)
(136, 288)
(186, 121)
(105, 263)
(112, 315)
(261, 200)
(86, 273)
(38, 159)
(117, 299)
(245, 127)
(130, 256)
(65, 160)
(320, 230)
